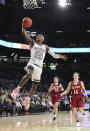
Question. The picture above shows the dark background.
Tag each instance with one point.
(73, 20)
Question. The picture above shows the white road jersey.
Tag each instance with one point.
(38, 53)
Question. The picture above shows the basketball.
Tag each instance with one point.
(27, 22)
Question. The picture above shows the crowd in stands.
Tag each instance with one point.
(10, 107)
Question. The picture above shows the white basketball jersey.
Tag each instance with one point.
(38, 53)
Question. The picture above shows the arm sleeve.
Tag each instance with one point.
(56, 56)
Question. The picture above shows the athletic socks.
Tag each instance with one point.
(84, 114)
(54, 118)
(77, 121)
(54, 115)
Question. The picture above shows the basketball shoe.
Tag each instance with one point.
(77, 124)
(14, 93)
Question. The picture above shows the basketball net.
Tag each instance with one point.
(29, 4)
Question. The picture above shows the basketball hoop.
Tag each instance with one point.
(30, 4)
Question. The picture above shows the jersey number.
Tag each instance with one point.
(38, 54)
(75, 92)
(56, 89)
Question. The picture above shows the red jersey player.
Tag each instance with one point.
(55, 90)
(76, 86)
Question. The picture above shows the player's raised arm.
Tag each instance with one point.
(67, 90)
(54, 55)
(27, 37)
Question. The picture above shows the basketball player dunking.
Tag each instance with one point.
(76, 86)
(55, 90)
(34, 66)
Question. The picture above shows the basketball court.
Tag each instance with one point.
(43, 122)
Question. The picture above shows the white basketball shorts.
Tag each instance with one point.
(36, 76)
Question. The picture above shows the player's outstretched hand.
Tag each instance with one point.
(86, 97)
(23, 27)
(64, 57)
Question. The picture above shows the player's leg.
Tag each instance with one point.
(36, 76)
(23, 81)
(76, 116)
(56, 108)
(53, 103)
(33, 89)
(75, 113)
(74, 110)
(81, 106)
(26, 77)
